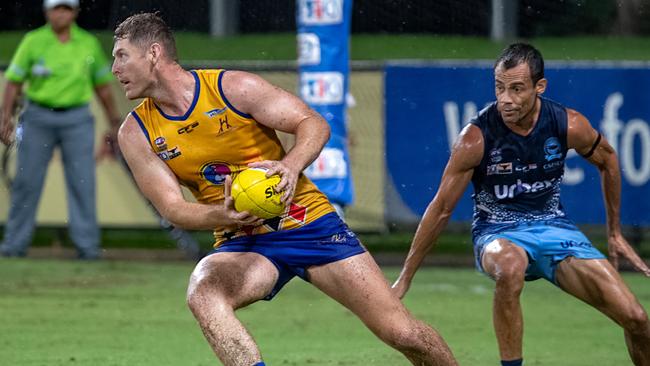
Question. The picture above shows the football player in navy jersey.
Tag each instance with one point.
(513, 152)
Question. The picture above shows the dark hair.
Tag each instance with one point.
(146, 28)
(519, 53)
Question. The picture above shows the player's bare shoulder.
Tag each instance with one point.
(469, 147)
(127, 128)
(580, 133)
(236, 79)
(247, 91)
(130, 136)
(576, 120)
(242, 86)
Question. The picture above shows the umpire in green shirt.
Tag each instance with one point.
(62, 65)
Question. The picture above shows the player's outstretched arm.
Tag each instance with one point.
(282, 111)
(595, 148)
(160, 186)
(465, 156)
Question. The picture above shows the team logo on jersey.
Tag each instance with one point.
(216, 172)
(161, 144)
(320, 12)
(163, 152)
(495, 155)
(552, 149)
(501, 168)
(215, 112)
(223, 124)
(189, 128)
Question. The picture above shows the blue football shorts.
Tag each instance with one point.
(546, 246)
(325, 240)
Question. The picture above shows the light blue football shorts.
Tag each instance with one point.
(546, 246)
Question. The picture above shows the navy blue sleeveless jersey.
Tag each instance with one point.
(518, 179)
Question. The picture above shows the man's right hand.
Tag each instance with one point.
(6, 132)
(233, 218)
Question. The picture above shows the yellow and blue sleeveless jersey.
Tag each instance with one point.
(213, 140)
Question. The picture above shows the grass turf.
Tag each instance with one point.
(282, 46)
(130, 313)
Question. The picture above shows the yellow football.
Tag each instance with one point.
(253, 192)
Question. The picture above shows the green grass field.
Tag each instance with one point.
(129, 313)
(282, 46)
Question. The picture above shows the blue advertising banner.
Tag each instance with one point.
(323, 59)
(426, 107)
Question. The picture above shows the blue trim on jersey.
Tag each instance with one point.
(325, 240)
(144, 129)
(197, 91)
(223, 96)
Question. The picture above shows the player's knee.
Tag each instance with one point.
(406, 338)
(202, 292)
(636, 321)
(400, 338)
(510, 280)
(505, 264)
(194, 297)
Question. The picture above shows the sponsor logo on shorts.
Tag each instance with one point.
(575, 244)
(339, 238)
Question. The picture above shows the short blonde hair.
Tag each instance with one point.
(145, 29)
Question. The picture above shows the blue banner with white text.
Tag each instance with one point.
(427, 105)
(323, 59)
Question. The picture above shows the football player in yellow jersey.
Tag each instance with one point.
(255, 264)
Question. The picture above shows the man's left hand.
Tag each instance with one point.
(288, 175)
(619, 247)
